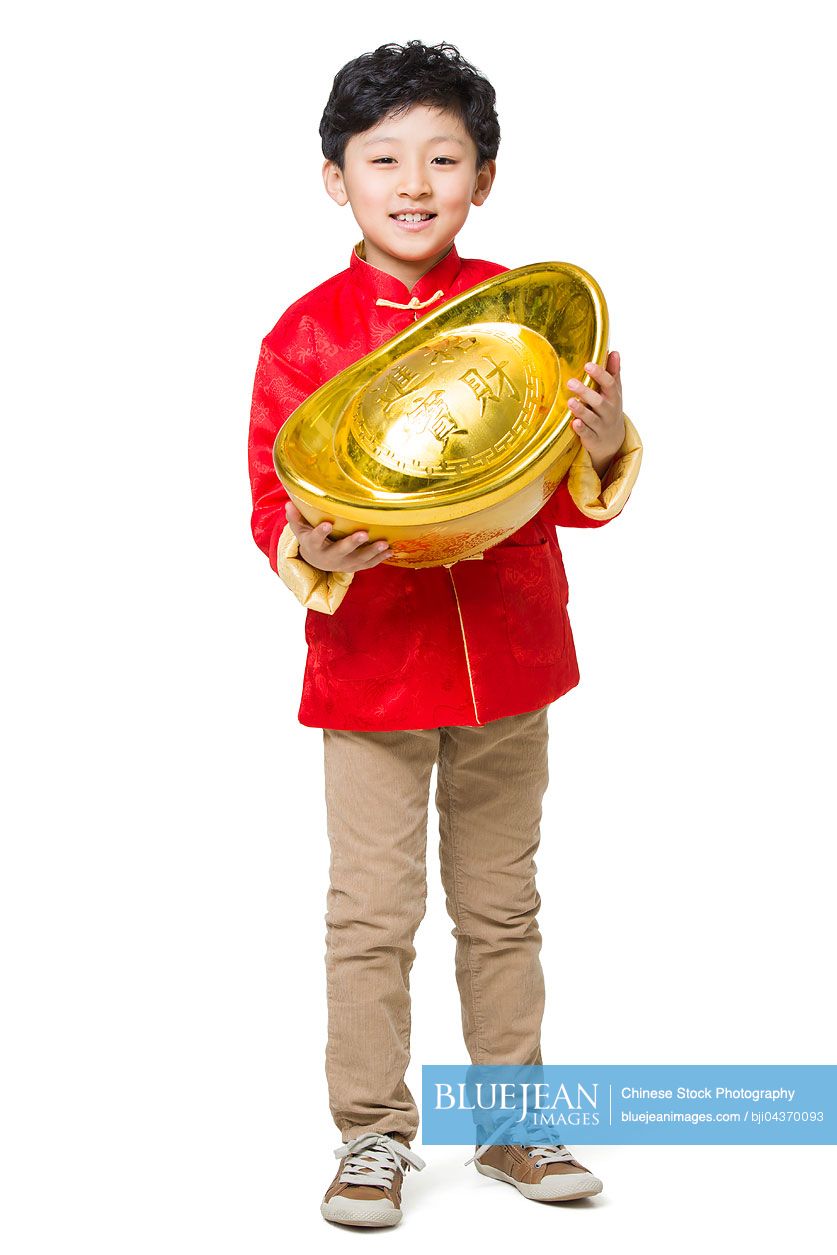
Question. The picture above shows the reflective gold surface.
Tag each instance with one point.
(454, 433)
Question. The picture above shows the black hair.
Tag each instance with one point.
(395, 77)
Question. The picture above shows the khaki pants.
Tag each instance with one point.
(490, 785)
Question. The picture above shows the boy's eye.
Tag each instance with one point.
(449, 160)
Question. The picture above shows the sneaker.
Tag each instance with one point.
(367, 1188)
(548, 1174)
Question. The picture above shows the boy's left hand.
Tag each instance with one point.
(599, 422)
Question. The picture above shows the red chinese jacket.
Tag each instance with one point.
(392, 648)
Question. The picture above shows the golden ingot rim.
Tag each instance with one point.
(423, 507)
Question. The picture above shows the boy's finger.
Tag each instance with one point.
(590, 417)
(296, 519)
(587, 395)
(316, 535)
(375, 556)
(602, 377)
(374, 547)
(588, 421)
(353, 541)
(581, 429)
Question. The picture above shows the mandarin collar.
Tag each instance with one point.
(383, 288)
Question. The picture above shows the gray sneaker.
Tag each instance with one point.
(366, 1190)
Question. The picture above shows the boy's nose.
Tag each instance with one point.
(414, 182)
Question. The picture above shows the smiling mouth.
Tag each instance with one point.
(411, 217)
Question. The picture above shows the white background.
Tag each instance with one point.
(166, 857)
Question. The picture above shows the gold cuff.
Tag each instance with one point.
(317, 590)
(585, 487)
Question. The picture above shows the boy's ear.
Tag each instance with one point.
(485, 180)
(334, 185)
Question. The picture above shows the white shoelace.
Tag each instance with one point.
(546, 1154)
(373, 1158)
(549, 1154)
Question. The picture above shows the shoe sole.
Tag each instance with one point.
(551, 1189)
(370, 1216)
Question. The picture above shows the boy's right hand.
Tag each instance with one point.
(353, 553)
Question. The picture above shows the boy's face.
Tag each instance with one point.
(422, 160)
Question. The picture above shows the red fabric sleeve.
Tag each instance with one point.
(561, 510)
(282, 383)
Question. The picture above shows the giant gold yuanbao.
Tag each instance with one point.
(453, 434)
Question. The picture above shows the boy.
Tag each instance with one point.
(453, 666)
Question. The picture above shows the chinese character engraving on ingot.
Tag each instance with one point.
(455, 407)
(482, 388)
(443, 352)
(401, 381)
(431, 413)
